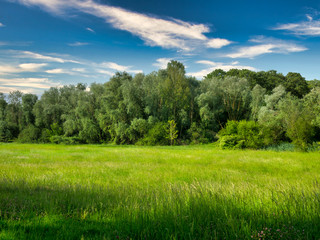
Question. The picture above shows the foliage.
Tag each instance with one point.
(56, 139)
(138, 129)
(126, 108)
(297, 121)
(258, 101)
(281, 147)
(5, 133)
(30, 134)
(198, 135)
(243, 134)
(172, 131)
(270, 118)
(55, 130)
(157, 135)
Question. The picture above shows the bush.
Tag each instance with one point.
(45, 136)
(65, 140)
(30, 134)
(197, 135)
(138, 129)
(281, 147)
(156, 135)
(231, 142)
(5, 133)
(243, 134)
(90, 131)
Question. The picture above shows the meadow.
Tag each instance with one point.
(182, 192)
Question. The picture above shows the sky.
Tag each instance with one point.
(50, 43)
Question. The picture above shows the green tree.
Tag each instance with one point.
(3, 106)
(269, 116)
(297, 121)
(28, 102)
(257, 101)
(296, 84)
(5, 133)
(211, 108)
(14, 113)
(172, 131)
(312, 104)
(176, 90)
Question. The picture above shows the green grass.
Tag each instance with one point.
(185, 192)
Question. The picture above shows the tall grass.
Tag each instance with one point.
(128, 192)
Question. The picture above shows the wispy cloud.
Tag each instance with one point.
(154, 31)
(310, 27)
(218, 43)
(266, 45)
(105, 72)
(162, 62)
(38, 56)
(117, 67)
(211, 66)
(80, 70)
(25, 67)
(78, 44)
(26, 84)
(57, 71)
(90, 30)
(2, 25)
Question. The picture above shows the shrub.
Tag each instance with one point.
(243, 134)
(90, 131)
(30, 134)
(5, 133)
(45, 136)
(65, 140)
(231, 142)
(197, 135)
(138, 129)
(156, 135)
(281, 147)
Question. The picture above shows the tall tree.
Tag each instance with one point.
(3, 106)
(28, 102)
(14, 114)
(296, 84)
(257, 101)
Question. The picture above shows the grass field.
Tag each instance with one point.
(185, 192)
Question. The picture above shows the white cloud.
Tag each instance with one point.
(162, 62)
(119, 68)
(106, 72)
(304, 28)
(80, 70)
(78, 44)
(2, 25)
(266, 45)
(90, 30)
(25, 67)
(217, 65)
(218, 43)
(26, 84)
(57, 71)
(32, 67)
(153, 31)
(33, 55)
(115, 66)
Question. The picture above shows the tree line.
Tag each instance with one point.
(239, 108)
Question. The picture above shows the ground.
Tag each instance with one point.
(181, 192)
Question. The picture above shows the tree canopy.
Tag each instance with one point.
(138, 109)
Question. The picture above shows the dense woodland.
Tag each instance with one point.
(238, 108)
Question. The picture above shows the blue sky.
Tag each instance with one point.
(45, 43)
